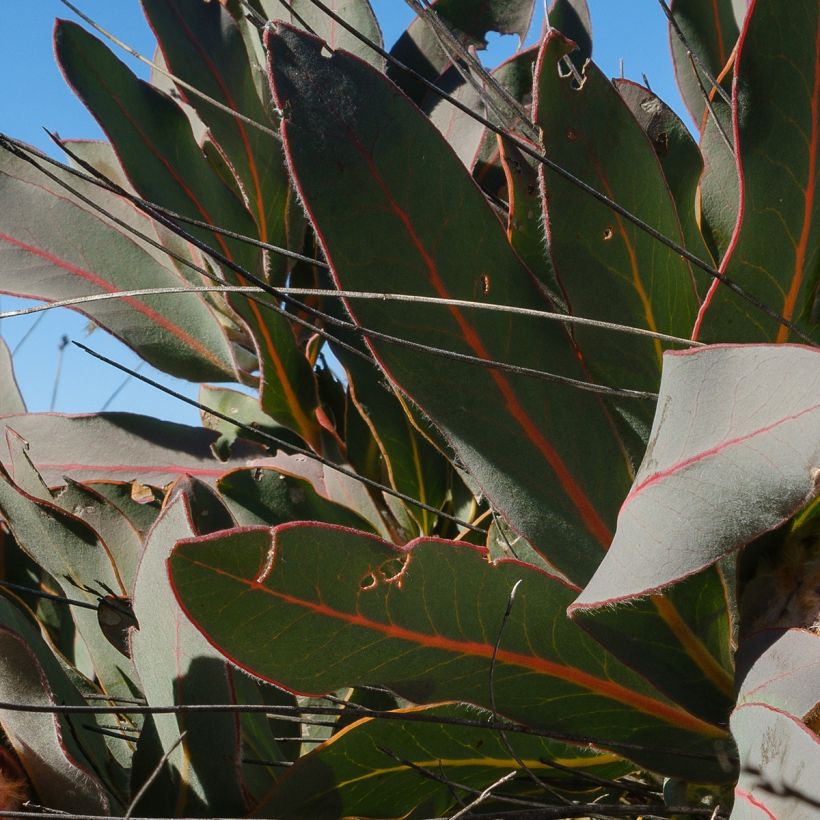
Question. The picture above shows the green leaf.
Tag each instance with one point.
(156, 147)
(356, 12)
(680, 640)
(202, 44)
(733, 453)
(419, 47)
(572, 19)
(80, 562)
(775, 250)
(56, 754)
(120, 446)
(11, 400)
(89, 254)
(271, 496)
(427, 230)
(775, 726)
(176, 665)
(343, 608)
(246, 410)
(119, 534)
(372, 768)
(608, 269)
(680, 160)
(711, 31)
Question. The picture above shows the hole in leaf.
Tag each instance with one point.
(392, 569)
(368, 582)
(608, 233)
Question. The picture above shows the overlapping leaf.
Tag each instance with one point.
(376, 768)
(175, 665)
(775, 250)
(356, 12)
(155, 145)
(427, 230)
(90, 254)
(711, 30)
(49, 747)
(420, 49)
(607, 267)
(423, 621)
(734, 451)
(122, 447)
(775, 727)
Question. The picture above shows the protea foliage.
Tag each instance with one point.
(447, 545)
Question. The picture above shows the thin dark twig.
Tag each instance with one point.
(332, 320)
(692, 55)
(544, 160)
(119, 735)
(152, 777)
(453, 784)
(96, 177)
(294, 713)
(232, 112)
(484, 796)
(625, 784)
(600, 809)
(505, 741)
(280, 443)
(252, 761)
(47, 595)
(711, 108)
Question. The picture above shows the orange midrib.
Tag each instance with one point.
(666, 712)
(809, 193)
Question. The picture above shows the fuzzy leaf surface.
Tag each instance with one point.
(361, 770)
(53, 246)
(607, 268)
(122, 447)
(428, 230)
(423, 621)
(734, 451)
(775, 250)
(11, 401)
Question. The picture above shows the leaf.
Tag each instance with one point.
(271, 496)
(11, 400)
(428, 230)
(246, 410)
(680, 160)
(572, 19)
(775, 249)
(711, 31)
(470, 138)
(423, 621)
(122, 446)
(419, 48)
(607, 268)
(175, 665)
(153, 140)
(680, 640)
(775, 726)
(89, 254)
(371, 768)
(734, 452)
(80, 562)
(114, 528)
(356, 12)
(203, 45)
(46, 744)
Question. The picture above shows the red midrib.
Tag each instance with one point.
(606, 688)
(809, 194)
(156, 318)
(593, 522)
(712, 451)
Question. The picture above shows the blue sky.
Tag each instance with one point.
(35, 95)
